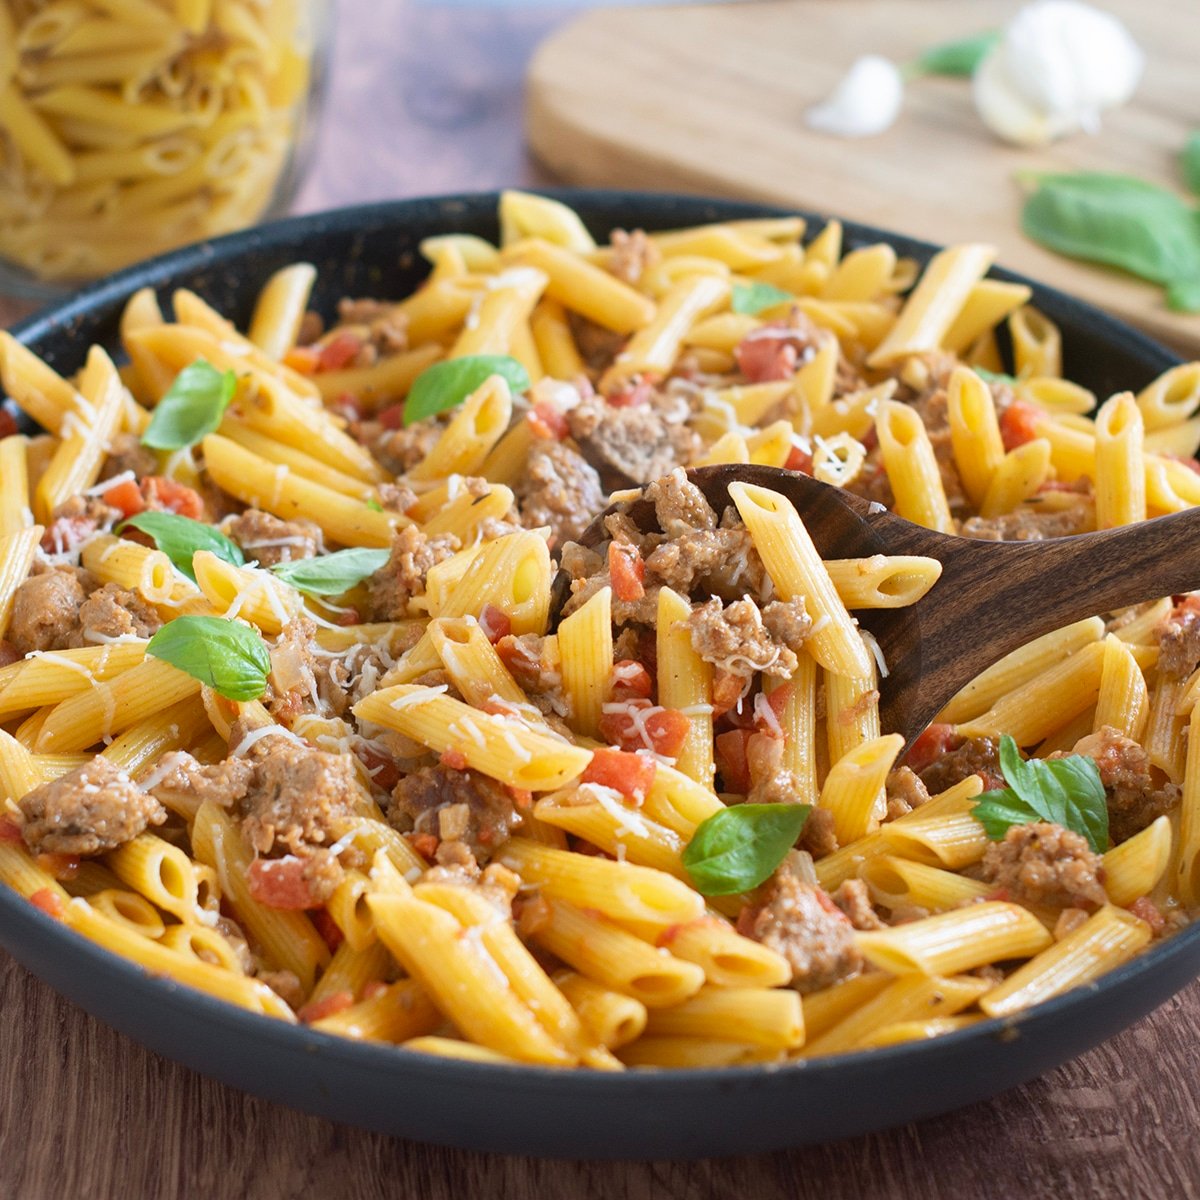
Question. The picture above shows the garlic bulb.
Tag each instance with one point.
(1059, 64)
(865, 102)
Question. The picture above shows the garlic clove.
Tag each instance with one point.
(1059, 64)
(865, 102)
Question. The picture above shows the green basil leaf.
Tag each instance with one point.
(753, 298)
(331, 574)
(374, 505)
(180, 537)
(737, 848)
(1065, 791)
(994, 376)
(997, 810)
(1183, 295)
(1116, 221)
(447, 384)
(228, 656)
(958, 58)
(192, 408)
(1189, 162)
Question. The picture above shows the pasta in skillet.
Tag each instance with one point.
(286, 713)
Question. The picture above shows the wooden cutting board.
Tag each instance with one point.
(711, 99)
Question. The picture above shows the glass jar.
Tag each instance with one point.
(129, 127)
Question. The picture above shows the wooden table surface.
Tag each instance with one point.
(436, 107)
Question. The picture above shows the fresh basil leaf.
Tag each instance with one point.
(180, 537)
(753, 298)
(994, 376)
(447, 384)
(958, 58)
(1065, 791)
(997, 810)
(374, 505)
(1189, 162)
(1183, 295)
(228, 656)
(192, 408)
(331, 574)
(1117, 221)
(737, 848)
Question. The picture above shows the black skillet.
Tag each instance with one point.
(372, 251)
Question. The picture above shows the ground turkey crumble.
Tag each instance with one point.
(1134, 798)
(799, 921)
(559, 489)
(269, 541)
(633, 443)
(1179, 640)
(1045, 864)
(403, 576)
(288, 796)
(467, 813)
(974, 756)
(64, 608)
(90, 810)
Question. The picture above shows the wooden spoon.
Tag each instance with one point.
(992, 597)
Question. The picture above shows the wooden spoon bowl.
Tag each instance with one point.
(992, 597)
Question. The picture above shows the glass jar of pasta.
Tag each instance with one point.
(129, 127)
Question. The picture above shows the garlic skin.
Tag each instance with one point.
(865, 102)
(1059, 64)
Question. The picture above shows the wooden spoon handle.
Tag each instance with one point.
(995, 596)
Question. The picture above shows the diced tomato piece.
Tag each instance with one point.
(280, 883)
(425, 844)
(328, 928)
(627, 571)
(10, 832)
(930, 746)
(640, 725)
(631, 681)
(641, 391)
(547, 422)
(314, 1010)
(382, 769)
(391, 417)
(630, 774)
(9, 654)
(61, 866)
(8, 423)
(454, 758)
(373, 989)
(799, 460)
(733, 762)
(1146, 910)
(522, 798)
(728, 689)
(765, 356)
(341, 350)
(169, 495)
(1018, 425)
(303, 359)
(50, 902)
(778, 699)
(495, 623)
(126, 496)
